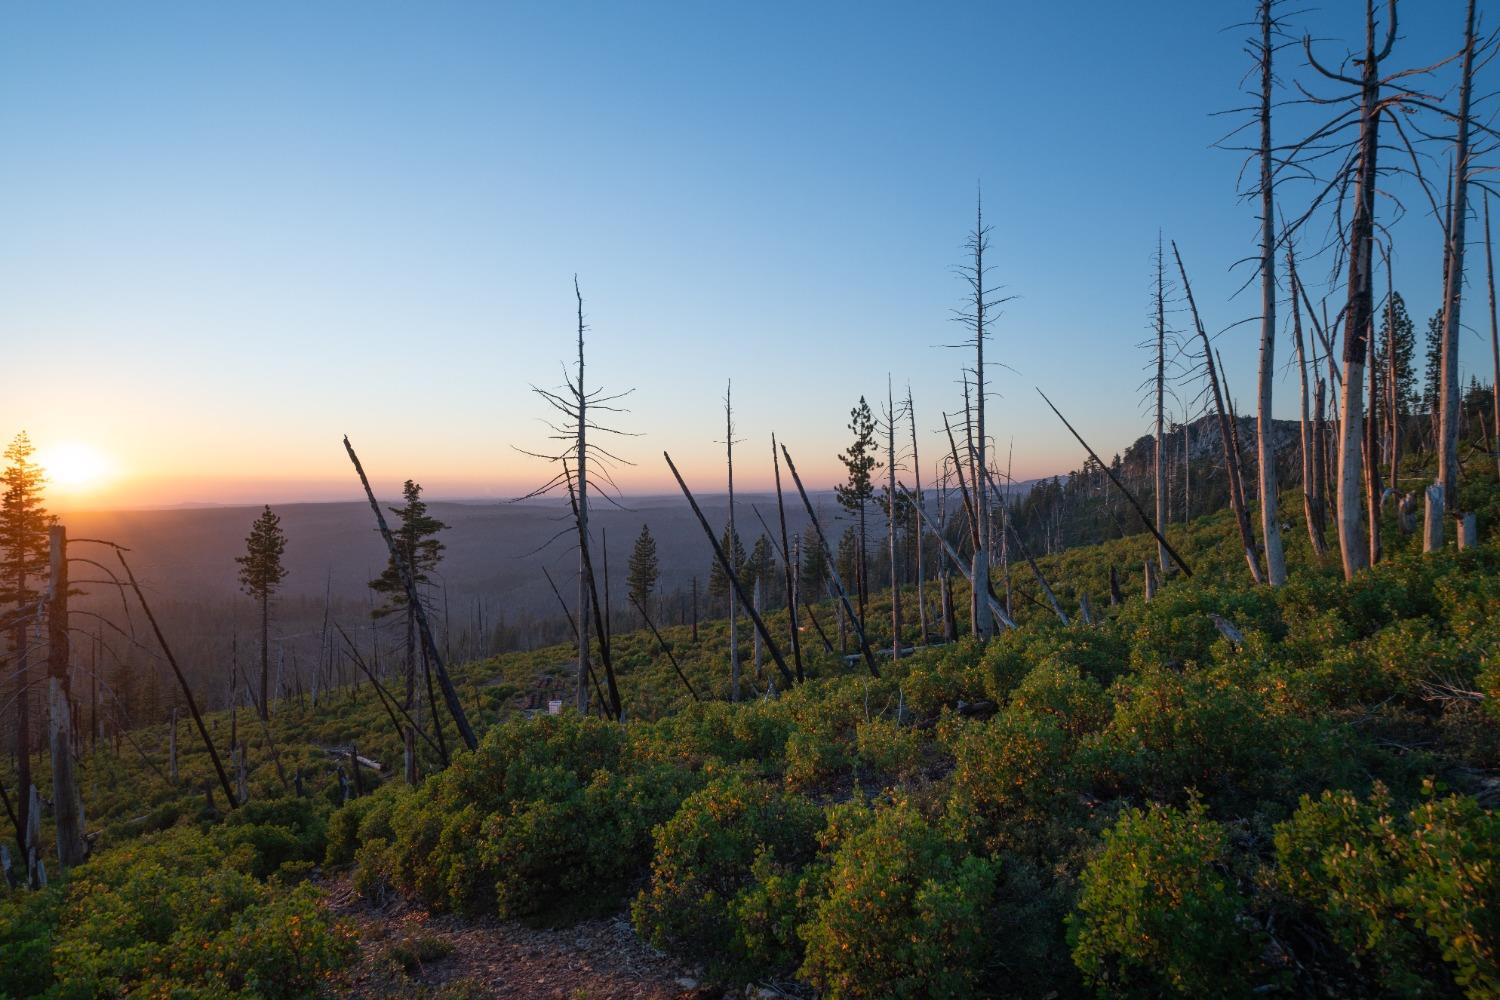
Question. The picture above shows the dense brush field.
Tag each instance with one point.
(1139, 806)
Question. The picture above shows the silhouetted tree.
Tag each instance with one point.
(261, 574)
(855, 495)
(416, 537)
(645, 570)
(23, 548)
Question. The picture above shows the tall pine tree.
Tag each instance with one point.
(645, 570)
(261, 573)
(416, 537)
(855, 495)
(23, 549)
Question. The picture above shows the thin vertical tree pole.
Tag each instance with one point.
(890, 518)
(790, 567)
(67, 802)
(1489, 261)
(1450, 401)
(916, 471)
(734, 561)
(581, 693)
(1265, 427)
(1372, 450)
(450, 694)
(1161, 378)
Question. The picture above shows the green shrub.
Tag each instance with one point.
(903, 914)
(1010, 782)
(1156, 912)
(724, 876)
(169, 915)
(1399, 893)
(1062, 692)
(889, 749)
(27, 920)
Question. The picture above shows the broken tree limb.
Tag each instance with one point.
(996, 608)
(187, 692)
(665, 648)
(786, 561)
(734, 579)
(386, 698)
(1176, 557)
(450, 694)
(833, 570)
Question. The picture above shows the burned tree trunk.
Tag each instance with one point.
(890, 520)
(1270, 523)
(1161, 378)
(1449, 399)
(1226, 435)
(734, 561)
(1489, 260)
(67, 803)
(1311, 456)
(790, 563)
(916, 471)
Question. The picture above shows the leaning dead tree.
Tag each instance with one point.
(1226, 432)
(891, 418)
(1312, 499)
(576, 405)
(414, 600)
(734, 580)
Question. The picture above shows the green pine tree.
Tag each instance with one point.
(261, 573)
(812, 574)
(645, 570)
(1405, 350)
(1432, 373)
(761, 566)
(23, 570)
(416, 538)
(855, 495)
(718, 580)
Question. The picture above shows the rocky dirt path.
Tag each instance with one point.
(407, 951)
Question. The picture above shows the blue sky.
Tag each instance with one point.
(236, 232)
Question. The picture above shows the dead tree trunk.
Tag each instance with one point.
(187, 692)
(67, 802)
(1310, 499)
(916, 471)
(833, 570)
(734, 579)
(581, 689)
(1270, 523)
(1161, 379)
(890, 519)
(1449, 399)
(734, 561)
(983, 625)
(1372, 454)
(1489, 260)
(1360, 306)
(790, 562)
(1226, 435)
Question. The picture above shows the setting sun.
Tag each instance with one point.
(74, 466)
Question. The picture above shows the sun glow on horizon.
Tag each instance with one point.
(75, 467)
